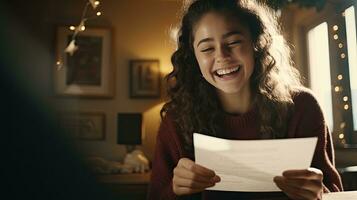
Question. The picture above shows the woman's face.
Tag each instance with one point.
(224, 51)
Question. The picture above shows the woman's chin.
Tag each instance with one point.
(229, 90)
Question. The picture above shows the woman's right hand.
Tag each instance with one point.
(190, 177)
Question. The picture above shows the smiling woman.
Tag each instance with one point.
(233, 79)
(224, 52)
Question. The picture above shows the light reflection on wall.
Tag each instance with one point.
(151, 123)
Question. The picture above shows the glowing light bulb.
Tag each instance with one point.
(342, 125)
(341, 136)
(346, 107)
(345, 98)
(343, 55)
(59, 65)
(340, 77)
(337, 89)
(335, 37)
(83, 28)
(99, 13)
(335, 27)
(72, 28)
(94, 3)
(340, 45)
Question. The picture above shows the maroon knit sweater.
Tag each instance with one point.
(306, 121)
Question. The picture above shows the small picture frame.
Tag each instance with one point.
(145, 79)
(87, 73)
(83, 125)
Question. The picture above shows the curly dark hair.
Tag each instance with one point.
(194, 102)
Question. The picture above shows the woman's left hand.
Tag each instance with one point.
(303, 184)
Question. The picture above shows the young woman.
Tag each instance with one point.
(233, 79)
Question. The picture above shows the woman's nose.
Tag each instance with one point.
(222, 54)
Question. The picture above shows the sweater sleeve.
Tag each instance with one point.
(311, 123)
(165, 159)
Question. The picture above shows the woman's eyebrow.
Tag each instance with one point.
(204, 40)
(224, 36)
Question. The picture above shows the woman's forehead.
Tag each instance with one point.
(218, 23)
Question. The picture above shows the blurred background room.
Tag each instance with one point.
(94, 71)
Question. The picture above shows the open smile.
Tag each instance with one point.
(227, 71)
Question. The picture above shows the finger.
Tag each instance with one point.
(311, 185)
(299, 193)
(289, 194)
(186, 190)
(182, 182)
(184, 173)
(310, 173)
(192, 166)
(295, 191)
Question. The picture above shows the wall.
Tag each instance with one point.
(140, 30)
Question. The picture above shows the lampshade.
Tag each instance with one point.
(129, 128)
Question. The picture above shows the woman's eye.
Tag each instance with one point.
(207, 49)
(234, 43)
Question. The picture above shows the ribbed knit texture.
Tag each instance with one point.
(306, 121)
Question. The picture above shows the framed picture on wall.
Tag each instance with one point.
(144, 79)
(83, 125)
(88, 71)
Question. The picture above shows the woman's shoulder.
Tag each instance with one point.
(168, 117)
(304, 96)
(167, 125)
(305, 102)
(168, 134)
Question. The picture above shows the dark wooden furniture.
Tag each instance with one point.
(349, 177)
(126, 186)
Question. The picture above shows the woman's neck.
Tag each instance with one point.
(236, 103)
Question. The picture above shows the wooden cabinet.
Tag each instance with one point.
(126, 186)
(349, 177)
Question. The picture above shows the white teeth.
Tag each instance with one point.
(227, 71)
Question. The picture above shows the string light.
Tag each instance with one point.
(346, 107)
(72, 47)
(345, 98)
(94, 3)
(341, 136)
(59, 65)
(337, 89)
